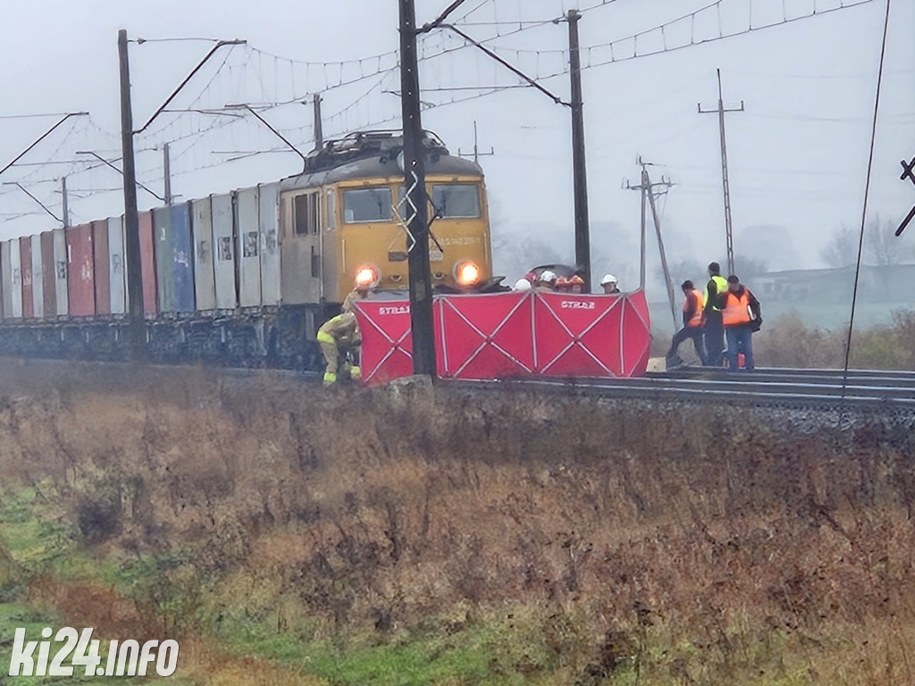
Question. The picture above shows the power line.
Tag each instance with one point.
(611, 50)
(867, 187)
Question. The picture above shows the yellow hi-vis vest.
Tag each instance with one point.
(341, 326)
(722, 285)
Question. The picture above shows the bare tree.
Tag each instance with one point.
(842, 249)
(881, 249)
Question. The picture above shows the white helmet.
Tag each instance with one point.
(608, 278)
(547, 276)
(522, 285)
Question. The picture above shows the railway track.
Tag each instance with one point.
(892, 391)
(871, 389)
(824, 388)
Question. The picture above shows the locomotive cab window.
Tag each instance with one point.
(456, 201)
(367, 205)
(306, 214)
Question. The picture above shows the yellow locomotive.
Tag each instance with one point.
(347, 207)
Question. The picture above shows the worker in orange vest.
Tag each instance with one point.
(693, 325)
(741, 316)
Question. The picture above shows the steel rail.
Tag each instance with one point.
(861, 394)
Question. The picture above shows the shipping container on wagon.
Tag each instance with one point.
(3, 286)
(25, 265)
(180, 253)
(249, 264)
(14, 279)
(173, 258)
(48, 275)
(100, 263)
(204, 274)
(268, 215)
(81, 271)
(117, 274)
(61, 270)
(148, 263)
(37, 278)
(6, 272)
(225, 273)
(162, 228)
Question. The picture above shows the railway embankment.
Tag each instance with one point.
(452, 535)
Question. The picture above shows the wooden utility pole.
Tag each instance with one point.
(645, 188)
(664, 266)
(131, 215)
(649, 195)
(579, 166)
(416, 208)
(725, 182)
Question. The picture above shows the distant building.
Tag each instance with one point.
(894, 284)
(822, 297)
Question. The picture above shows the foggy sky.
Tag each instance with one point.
(798, 153)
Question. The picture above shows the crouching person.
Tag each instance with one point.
(338, 336)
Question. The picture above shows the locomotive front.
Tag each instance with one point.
(361, 199)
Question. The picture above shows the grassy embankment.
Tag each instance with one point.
(384, 537)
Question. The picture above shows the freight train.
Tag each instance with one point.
(247, 277)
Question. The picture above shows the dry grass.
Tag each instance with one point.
(663, 546)
(789, 342)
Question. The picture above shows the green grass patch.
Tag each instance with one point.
(498, 652)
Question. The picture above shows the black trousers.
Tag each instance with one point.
(714, 339)
(696, 334)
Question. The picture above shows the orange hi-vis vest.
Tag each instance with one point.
(736, 309)
(698, 318)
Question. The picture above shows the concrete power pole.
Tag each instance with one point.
(579, 166)
(318, 122)
(726, 184)
(131, 215)
(65, 203)
(167, 171)
(417, 222)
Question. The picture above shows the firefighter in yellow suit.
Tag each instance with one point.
(336, 335)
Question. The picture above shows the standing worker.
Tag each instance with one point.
(741, 316)
(609, 284)
(335, 336)
(693, 321)
(361, 290)
(714, 331)
(576, 284)
(546, 283)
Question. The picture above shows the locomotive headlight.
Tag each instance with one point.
(368, 275)
(466, 273)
